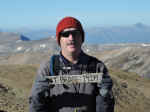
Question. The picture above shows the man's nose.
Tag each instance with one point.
(71, 37)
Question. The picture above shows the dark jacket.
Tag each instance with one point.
(84, 97)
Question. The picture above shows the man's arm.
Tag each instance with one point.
(104, 99)
(39, 99)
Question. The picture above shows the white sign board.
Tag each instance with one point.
(69, 79)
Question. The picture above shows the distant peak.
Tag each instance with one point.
(140, 25)
(24, 38)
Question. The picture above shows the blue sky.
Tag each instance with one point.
(47, 13)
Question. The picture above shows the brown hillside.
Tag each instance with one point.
(130, 90)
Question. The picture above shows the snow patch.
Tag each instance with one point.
(42, 45)
(19, 48)
(27, 50)
(145, 45)
(18, 41)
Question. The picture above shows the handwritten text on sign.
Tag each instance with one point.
(69, 79)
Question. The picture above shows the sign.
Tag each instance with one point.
(69, 79)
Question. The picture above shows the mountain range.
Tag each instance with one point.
(136, 33)
(126, 56)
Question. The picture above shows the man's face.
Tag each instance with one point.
(70, 40)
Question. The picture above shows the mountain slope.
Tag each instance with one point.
(130, 90)
(132, 59)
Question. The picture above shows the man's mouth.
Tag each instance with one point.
(71, 43)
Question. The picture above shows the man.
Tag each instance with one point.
(74, 97)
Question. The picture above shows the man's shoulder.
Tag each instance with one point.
(44, 64)
(44, 67)
(96, 64)
(94, 59)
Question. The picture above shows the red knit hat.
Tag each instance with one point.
(68, 22)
